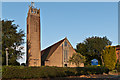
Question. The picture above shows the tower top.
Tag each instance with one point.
(32, 4)
(33, 9)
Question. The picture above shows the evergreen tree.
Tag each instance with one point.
(109, 57)
(12, 38)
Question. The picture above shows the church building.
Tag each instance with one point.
(118, 53)
(57, 54)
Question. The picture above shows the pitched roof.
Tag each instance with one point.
(118, 47)
(46, 53)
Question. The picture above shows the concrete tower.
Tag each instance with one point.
(33, 36)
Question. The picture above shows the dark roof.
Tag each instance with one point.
(46, 53)
(118, 46)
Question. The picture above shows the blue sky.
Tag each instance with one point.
(74, 20)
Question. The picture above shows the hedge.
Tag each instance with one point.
(21, 72)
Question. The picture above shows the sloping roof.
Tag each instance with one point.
(46, 53)
(118, 47)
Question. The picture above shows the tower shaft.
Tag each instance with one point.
(33, 37)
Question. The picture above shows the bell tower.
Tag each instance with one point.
(33, 36)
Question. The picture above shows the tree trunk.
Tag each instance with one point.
(102, 60)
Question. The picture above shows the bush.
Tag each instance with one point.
(48, 72)
(109, 57)
(118, 68)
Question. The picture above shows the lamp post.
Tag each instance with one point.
(6, 56)
(119, 57)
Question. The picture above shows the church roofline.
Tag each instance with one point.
(46, 53)
(54, 44)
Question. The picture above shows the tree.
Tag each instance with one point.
(92, 48)
(77, 59)
(0, 49)
(12, 38)
(109, 57)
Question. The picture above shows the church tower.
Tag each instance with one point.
(33, 36)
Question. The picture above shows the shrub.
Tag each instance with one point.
(118, 68)
(48, 72)
(109, 57)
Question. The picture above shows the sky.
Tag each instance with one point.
(74, 20)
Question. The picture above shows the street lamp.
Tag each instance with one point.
(6, 56)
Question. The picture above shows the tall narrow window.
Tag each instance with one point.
(65, 55)
(65, 44)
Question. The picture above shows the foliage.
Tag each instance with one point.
(0, 44)
(92, 48)
(77, 58)
(22, 72)
(117, 64)
(12, 38)
(118, 68)
(109, 57)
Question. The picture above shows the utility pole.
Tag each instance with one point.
(6, 56)
(118, 57)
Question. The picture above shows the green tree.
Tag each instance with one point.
(77, 59)
(92, 48)
(109, 57)
(12, 38)
(0, 43)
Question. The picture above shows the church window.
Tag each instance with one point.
(68, 45)
(65, 43)
(65, 55)
(37, 12)
(34, 11)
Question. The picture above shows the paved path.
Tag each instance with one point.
(83, 77)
